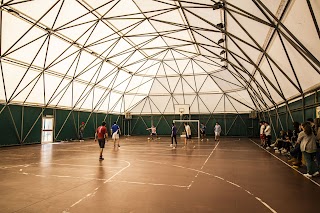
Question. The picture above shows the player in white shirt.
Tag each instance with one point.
(262, 135)
(188, 134)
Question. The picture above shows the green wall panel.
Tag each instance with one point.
(32, 122)
(16, 112)
(7, 130)
(309, 99)
(26, 121)
(138, 126)
(88, 118)
(283, 119)
(310, 113)
(66, 125)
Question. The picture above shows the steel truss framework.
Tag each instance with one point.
(145, 56)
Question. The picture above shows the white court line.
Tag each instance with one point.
(285, 163)
(162, 154)
(234, 150)
(220, 178)
(61, 176)
(79, 165)
(204, 164)
(59, 164)
(153, 184)
(266, 205)
(96, 189)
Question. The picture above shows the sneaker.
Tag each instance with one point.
(284, 151)
(307, 175)
(201, 139)
(281, 149)
(171, 145)
(272, 145)
(277, 151)
(315, 174)
(194, 147)
(292, 160)
(296, 163)
(101, 158)
(268, 148)
(275, 148)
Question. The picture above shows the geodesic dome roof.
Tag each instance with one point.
(145, 56)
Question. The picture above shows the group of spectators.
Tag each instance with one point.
(303, 140)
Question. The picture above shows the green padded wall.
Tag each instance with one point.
(22, 124)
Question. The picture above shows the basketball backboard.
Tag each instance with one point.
(181, 109)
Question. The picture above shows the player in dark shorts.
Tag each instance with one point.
(202, 131)
(101, 135)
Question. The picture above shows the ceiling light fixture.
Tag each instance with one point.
(217, 5)
(220, 41)
(220, 25)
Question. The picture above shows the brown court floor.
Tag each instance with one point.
(233, 175)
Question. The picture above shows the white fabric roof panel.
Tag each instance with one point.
(146, 56)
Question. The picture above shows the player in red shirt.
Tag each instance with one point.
(101, 135)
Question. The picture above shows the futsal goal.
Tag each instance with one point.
(194, 126)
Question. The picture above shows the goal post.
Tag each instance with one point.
(196, 122)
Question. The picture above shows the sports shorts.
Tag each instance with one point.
(102, 142)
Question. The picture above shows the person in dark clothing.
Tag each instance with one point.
(173, 136)
(296, 152)
(81, 130)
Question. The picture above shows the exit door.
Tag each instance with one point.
(47, 130)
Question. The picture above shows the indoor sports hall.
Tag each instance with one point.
(159, 106)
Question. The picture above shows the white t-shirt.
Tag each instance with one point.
(217, 128)
(267, 130)
(188, 130)
(262, 127)
(153, 130)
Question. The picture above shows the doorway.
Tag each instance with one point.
(47, 130)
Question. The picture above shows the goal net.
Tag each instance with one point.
(194, 126)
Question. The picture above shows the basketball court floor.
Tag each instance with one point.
(233, 175)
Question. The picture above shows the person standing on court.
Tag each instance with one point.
(81, 130)
(188, 134)
(267, 132)
(202, 131)
(115, 134)
(153, 131)
(173, 136)
(262, 135)
(308, 147)
(217, 132)
(101, 135)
